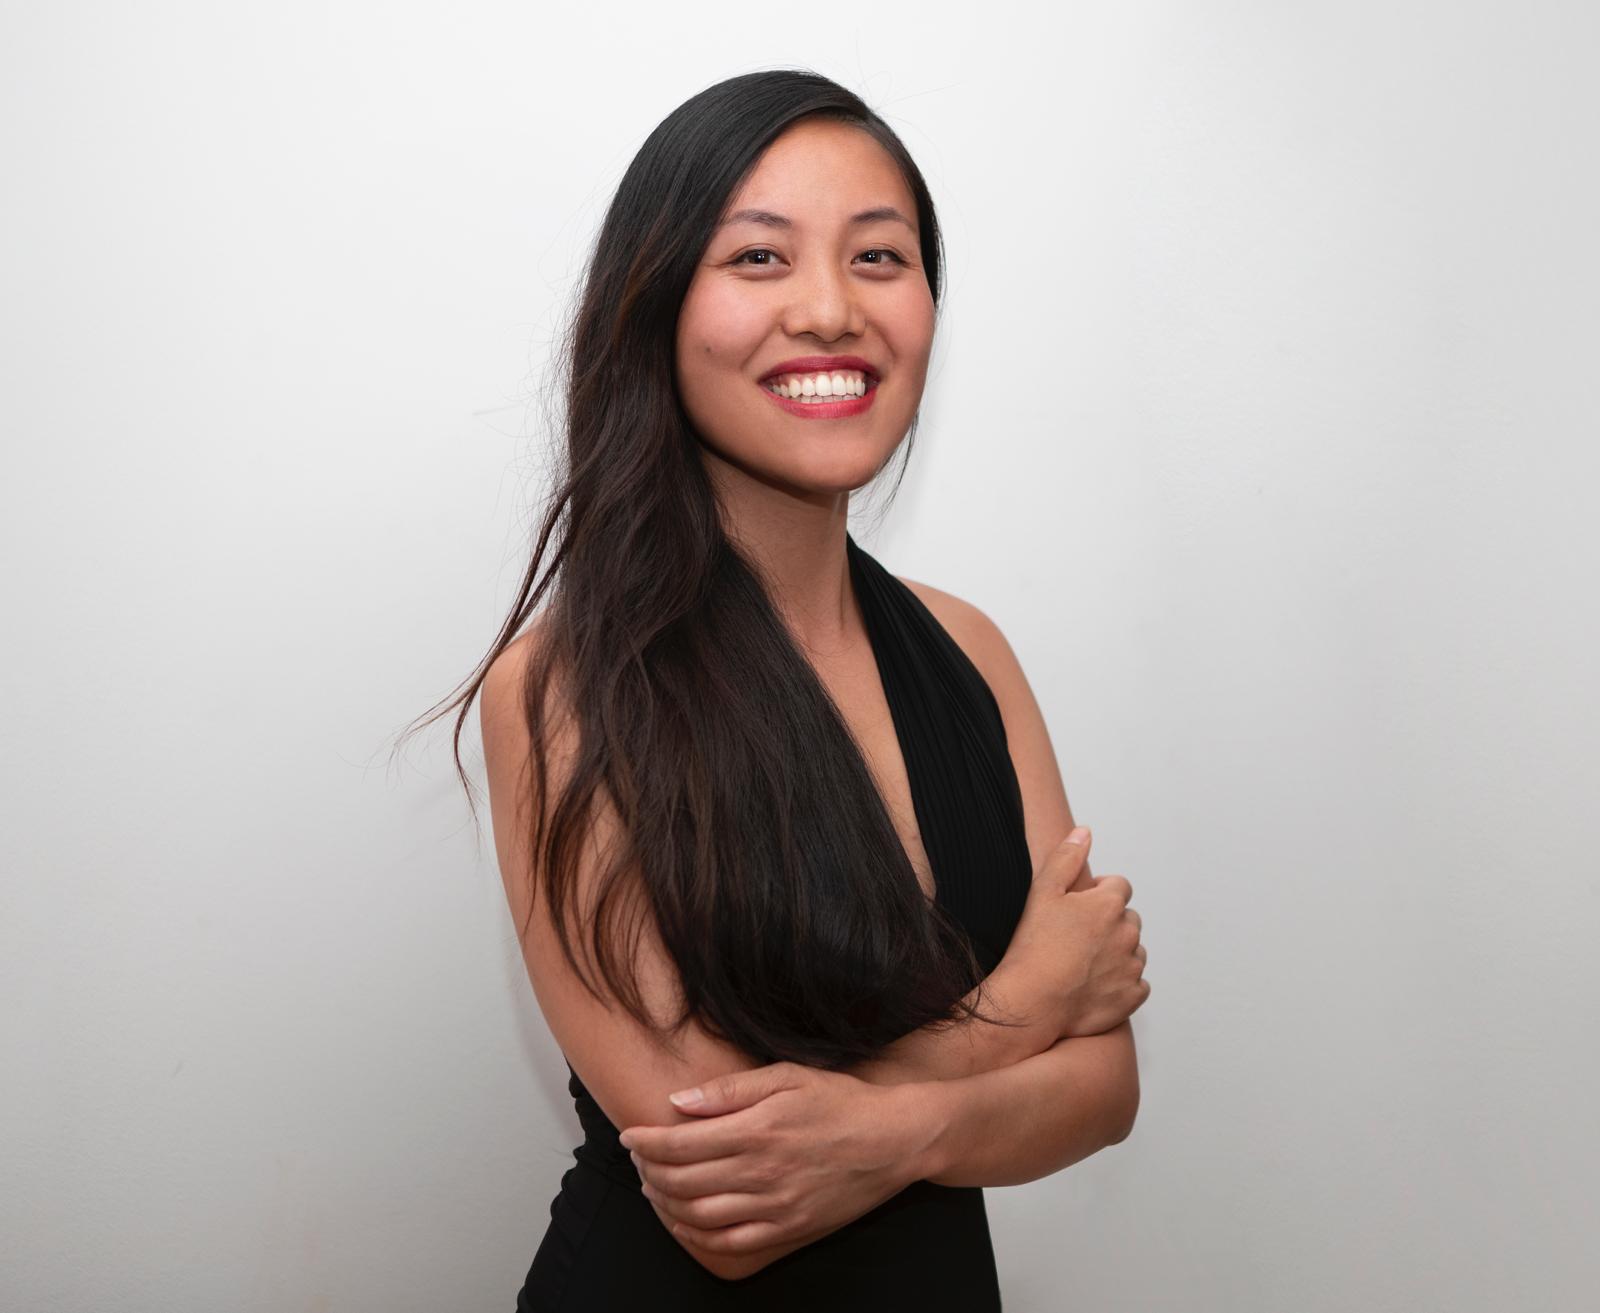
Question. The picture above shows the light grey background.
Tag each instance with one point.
(1261, 418)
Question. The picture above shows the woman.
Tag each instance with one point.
(773, 823)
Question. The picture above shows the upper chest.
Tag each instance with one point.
(856, 687)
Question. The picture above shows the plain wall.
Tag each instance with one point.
(1261, 418)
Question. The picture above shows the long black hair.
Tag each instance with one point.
(753, 826)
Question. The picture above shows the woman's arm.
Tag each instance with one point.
(969, 1046)
(627, 1069)
(1058, 1108)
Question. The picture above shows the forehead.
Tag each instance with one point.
(820, 173)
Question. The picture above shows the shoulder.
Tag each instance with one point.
(502, 682)
(985, 646)
(502, 711)
(975, 633)
(505, 732)
(1047, 813)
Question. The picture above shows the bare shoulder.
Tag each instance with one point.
(985, 645)
(1047, 813)
(500, 709)
(978, 636)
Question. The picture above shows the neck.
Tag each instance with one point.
(798, 542)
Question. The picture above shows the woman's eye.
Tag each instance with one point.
(761, 250)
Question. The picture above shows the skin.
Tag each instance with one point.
(778, 1156)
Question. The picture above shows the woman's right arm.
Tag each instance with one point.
(627, 1069)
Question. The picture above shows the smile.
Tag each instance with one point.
(822, 396)
(840, 383)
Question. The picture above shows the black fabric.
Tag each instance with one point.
(927, 1248)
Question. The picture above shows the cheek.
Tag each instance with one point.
(908, 325)
(719, 329)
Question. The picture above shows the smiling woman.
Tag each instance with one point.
(770, 818)
(808, 262)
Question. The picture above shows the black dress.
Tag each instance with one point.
(927, 1248)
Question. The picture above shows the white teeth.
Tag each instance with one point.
(816, 388)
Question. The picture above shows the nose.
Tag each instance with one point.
(826, 304)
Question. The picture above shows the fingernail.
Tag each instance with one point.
(1078, 835)
(687, 1098)
(624, 1141)
(634, 1154)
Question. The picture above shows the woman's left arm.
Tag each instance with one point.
(1080, 1094)
(971, 1047)
(1074, 1099)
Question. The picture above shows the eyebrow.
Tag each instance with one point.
(877, 214)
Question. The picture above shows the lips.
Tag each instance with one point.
(832, 408)
(821, 364)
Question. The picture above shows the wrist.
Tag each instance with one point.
(1010, 994)
(925, 1111)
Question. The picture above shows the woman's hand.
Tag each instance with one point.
(1077, 949)
(784, 1155)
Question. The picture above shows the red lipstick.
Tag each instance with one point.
(841, 409)
(844, 408)
(816, 364)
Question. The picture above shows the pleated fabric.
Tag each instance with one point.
(928, 1247)
(963, 786)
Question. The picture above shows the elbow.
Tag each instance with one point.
(727, 1267)
(1127, 1103)
(734, 1267)
(1122, 1127)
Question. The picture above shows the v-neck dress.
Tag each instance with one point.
(928, 1247)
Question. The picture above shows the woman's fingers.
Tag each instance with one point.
(736, 1172)
(744, 1238)
(692, 1142)
(714, 1210)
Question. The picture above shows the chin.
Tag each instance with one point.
(825, 463)
(834, 471)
